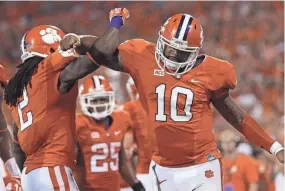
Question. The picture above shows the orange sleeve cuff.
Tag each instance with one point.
(90, 57)
(255, 134)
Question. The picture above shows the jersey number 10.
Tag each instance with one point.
(161, 116)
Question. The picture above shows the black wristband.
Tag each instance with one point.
(138, 187)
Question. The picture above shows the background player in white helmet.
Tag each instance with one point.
(101, 133)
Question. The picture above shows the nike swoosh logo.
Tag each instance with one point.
(160, 182)
(117, 132)
(195, 81)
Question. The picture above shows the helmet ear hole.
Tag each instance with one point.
(52, 50)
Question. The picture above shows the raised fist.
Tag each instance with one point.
(69, 41)
(123, 12)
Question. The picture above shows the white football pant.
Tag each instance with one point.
(145, 180)
(58, 178)
(203, 177)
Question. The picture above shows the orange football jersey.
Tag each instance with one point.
(100, 148)
(238, 173)
(178, 109)
(46, 118)
(144, 150)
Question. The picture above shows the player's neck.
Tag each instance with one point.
(107, 122)
(199, 60)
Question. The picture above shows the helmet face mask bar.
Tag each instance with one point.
(186, 41)
(96, 97)
(170, 66)
(97, 109)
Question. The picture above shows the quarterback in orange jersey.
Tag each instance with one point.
(100, 132)
(240, 171)
(176, 87)
(141, 137)
(42, 97)
(6, 139)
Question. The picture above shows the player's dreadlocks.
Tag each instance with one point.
(20, 80)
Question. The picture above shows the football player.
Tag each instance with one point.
(42, 98)
(176, 87)
(240, 170)
(141, 137)
(6, 140)
(100, 132)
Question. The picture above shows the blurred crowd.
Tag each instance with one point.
(250, 35)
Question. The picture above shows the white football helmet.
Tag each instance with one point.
(94, 89)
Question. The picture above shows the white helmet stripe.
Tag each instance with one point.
(23, 42)
(184, 27)
(97, 83)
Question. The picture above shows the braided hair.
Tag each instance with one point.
(20, 80)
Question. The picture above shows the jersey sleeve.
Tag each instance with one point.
(224, 79)
(80, 124)
(129, 53)
(59, 59)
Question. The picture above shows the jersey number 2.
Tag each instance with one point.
(21, 106)
(161, 116)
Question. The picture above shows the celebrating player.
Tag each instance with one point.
(42, 96)
(176, 87)
(100, 132)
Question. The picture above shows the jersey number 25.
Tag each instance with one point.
(113, 165)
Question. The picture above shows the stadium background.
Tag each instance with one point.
(248, 34)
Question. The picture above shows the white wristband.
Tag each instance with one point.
(12, 167)
(276, 147)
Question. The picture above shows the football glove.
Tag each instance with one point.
(123, 12)
(138, 187)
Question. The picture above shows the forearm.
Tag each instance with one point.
(254, 133)
(75, 71)
(19, 155)
(78, 69)
(126, 170)
(243, 122)
(5, 145)
(106, 44)
(87, 42)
